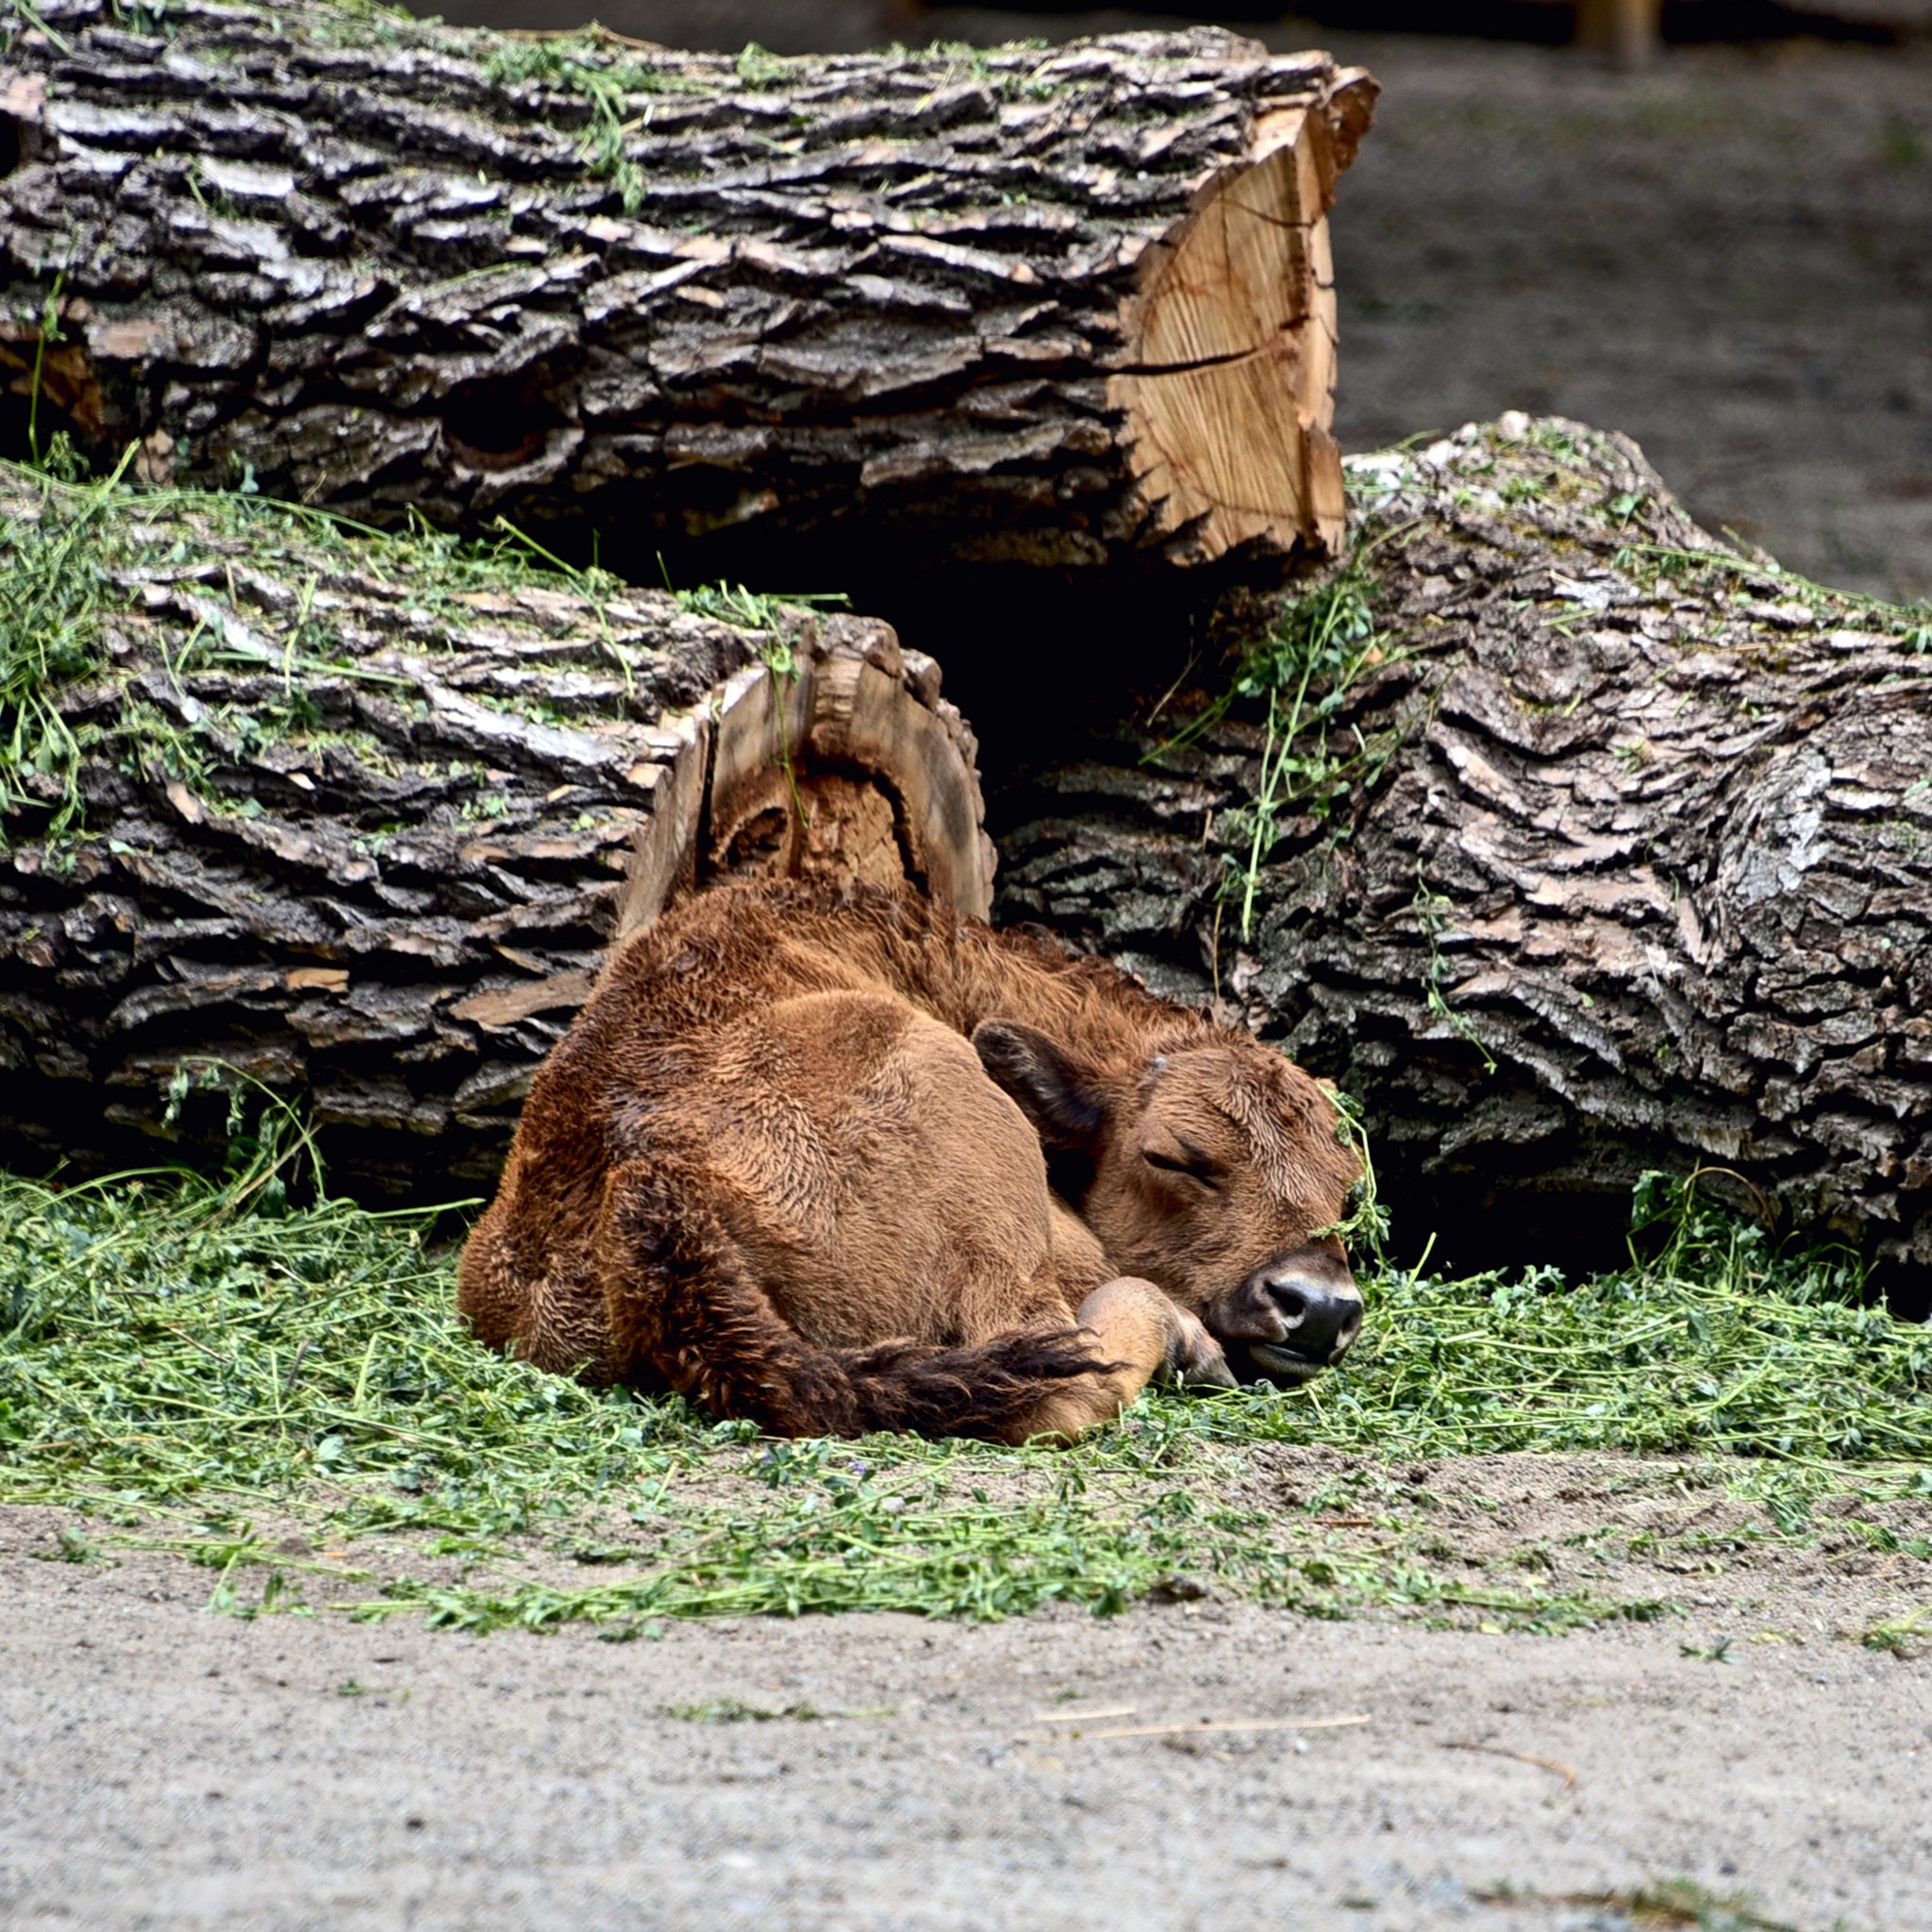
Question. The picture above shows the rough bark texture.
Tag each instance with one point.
(1609, 849)
(356, 817)
(1018, 305)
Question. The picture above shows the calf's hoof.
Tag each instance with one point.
(1134, 1321)
(1197, 1360)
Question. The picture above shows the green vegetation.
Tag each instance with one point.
(991, 67)
(54, 586)
(581, 64)
(1302, 669)
(1654, 1907)
(282, 1393)
(1707, 571)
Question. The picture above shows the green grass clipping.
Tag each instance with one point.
(284, 1393)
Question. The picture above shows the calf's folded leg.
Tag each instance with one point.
(684, 1304)
(1140, 1333)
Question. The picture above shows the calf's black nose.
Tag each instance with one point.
(1322, 1318)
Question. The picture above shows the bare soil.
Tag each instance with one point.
(170, 1767)
(1728, 258)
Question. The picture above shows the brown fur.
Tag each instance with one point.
(768, 1168)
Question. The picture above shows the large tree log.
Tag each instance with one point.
(358, 816)
(1595, 846)
(1018, 305)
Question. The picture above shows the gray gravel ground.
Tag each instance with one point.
(165, 1767)
(1729, 258)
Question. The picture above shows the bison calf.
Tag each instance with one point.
(836, 1160)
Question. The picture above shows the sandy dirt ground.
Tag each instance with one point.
(1729, 258)
(166, 1767)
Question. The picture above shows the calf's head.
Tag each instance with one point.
(1211, 1170)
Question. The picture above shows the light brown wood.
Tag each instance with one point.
(848, 763)
(1628, 31)
(1235, 326)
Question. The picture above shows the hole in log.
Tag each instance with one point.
(1478, 1228)
(855, 828)
(496, 425)
(848, 767)
(759, 846)
(22, 135)
(852, 828)
(1905, 1290)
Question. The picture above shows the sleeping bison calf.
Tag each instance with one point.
(793, 1161)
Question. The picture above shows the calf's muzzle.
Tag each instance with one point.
(1322, 1320)
(1294, 1316)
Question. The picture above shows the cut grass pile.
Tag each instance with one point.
(181, 1359)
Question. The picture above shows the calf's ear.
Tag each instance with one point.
(1055, 1092)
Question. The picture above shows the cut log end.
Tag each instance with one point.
(842, 763)
(1235, 325)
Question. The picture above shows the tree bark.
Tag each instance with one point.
(1596, 846)
(356, 817)
(1020, 305)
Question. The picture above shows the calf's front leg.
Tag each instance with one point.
(1139, 1333)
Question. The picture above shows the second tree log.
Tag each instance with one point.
(1572, 841)
(356, 818)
